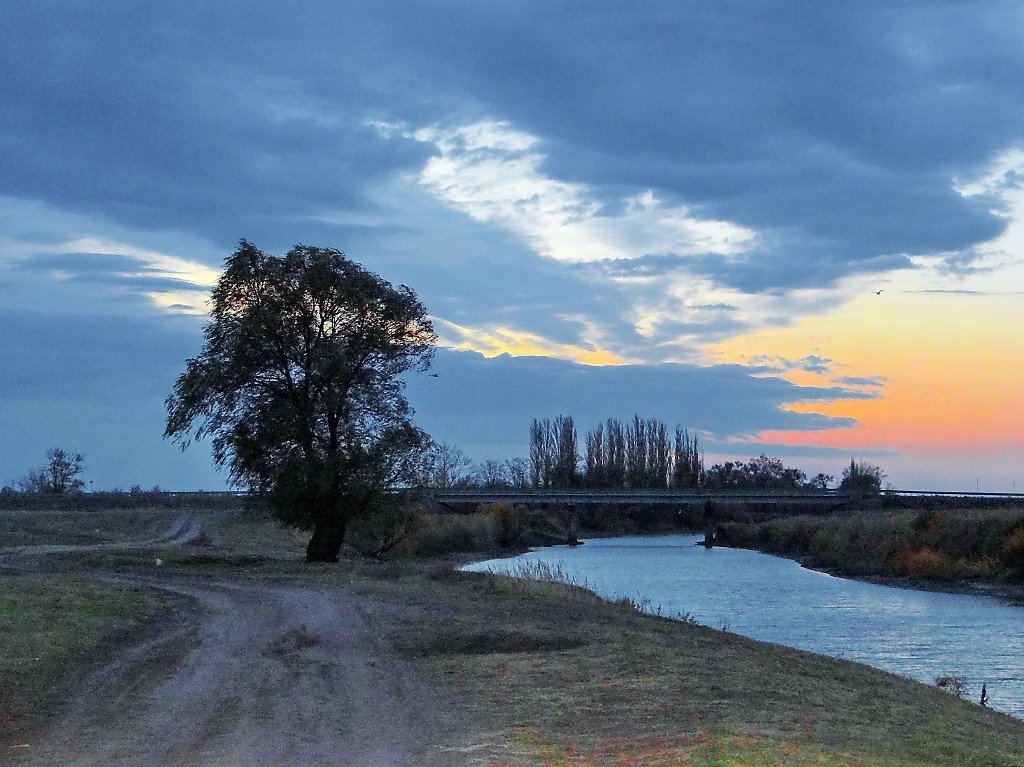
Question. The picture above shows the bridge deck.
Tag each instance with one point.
(637, 498)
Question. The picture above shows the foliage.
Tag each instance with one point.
(862, 479)
(298, 386)
(391, 524)
(952, 683)
(511, 474)
(821, 481)
(761, 473)
(509, 523)
(554, 459)
(1013, 548)
(60, 474)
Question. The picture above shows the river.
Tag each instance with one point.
(918, 634)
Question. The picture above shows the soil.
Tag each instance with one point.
(252, 671)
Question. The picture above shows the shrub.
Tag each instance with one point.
(509, 523)
(1013, 548)
(392, 526)
(953, 683)
(453, 533)
(922, 561)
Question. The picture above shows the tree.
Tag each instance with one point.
(444, 466)
(298, 386)
(862, 479)
(761, 473)
(518, 472)
(60, 474)
(491, 474)
(821, 481)
(566, 457)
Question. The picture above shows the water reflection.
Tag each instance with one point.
(919, 634)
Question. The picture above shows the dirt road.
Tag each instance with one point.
(254, 672)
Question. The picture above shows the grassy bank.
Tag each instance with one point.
(941, 545)
(52, 629)
(556, 676)
(546, 673)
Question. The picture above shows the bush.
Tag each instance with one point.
(452, 533)
(509, 524)
(924, 562)
(391, 526)
(1013, 548)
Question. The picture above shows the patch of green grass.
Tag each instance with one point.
(50, 626)
(254, 534)
(30, 528)
(699, 749)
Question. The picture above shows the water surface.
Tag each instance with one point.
(918, 634)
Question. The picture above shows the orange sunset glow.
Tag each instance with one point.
(950, 367)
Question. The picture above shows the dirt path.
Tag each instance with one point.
(289, 672)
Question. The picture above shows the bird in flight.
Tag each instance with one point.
(879, 292)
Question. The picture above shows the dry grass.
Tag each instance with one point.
(949, 545)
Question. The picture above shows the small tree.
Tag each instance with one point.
(518, 472)
(862, 479)
(444, 466)
(298, 386)
(821, 481)
(60, 474)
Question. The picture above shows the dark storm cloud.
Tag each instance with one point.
(217, 120)
(840, 126)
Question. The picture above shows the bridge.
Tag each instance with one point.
(458, 498)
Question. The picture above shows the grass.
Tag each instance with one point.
(558, 676)
(53, 627)
(547, 673)
(30, 528)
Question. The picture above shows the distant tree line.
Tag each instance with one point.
(644, 454)
(444, 466)
(641, 453)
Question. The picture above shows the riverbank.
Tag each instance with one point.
(542, 673)
(973, 551)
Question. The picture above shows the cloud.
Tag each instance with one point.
(485, 405)
(493, 341)
(494, 174)
(861, 380)
(170, 283)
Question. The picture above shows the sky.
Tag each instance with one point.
(793, 228)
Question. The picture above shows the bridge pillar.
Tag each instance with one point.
(710, 525)
(573, 528)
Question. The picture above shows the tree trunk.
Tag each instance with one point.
(325, 543)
